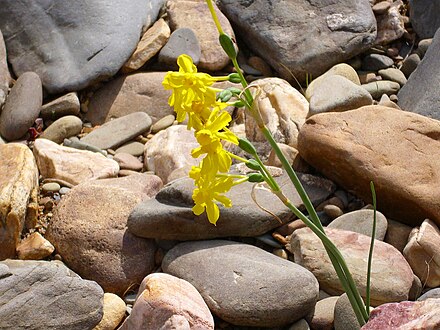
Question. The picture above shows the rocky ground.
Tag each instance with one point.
(96, 226)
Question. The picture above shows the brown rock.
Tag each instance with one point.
(397, 234)
(194, 14)
(88, 230)
(423, 253)
(390, 23)
(149, 45)
(323, 317)
(357, 146)
(388, 284)
(414, 315)
(166, 300)
(128, 162)
(63, 106)
(34, 247)
(18, 195)
(72, 165)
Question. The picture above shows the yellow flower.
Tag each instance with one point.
(189, 86)
(209, 191)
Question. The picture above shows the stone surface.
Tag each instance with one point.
(47, 295)
(283, 109)
(127, 94)
(344, 316)
(182, 41)
(162, 123)
(114, 311)
(388, 284)
(63, 128)
(149, 45)
(424, 17)
(169, 151)
(375, 62)
(169, 215)
(410, 64)
(164, 299)
(251, 283)
(22, 106)
(337, 93)
(18, 195)
(108, 33)
(397, 234)
(361, 221)
(433, 293)
(89, 231)
(390, 24)
(72, 165)
(423, 253)
(63, 106)
(194, 14)
(128, 162)
(5, 76)
(406, 315)
(393, 74)
(336, 31)
(118, 131)
(420, 94)
(356, 146)
(34, 247)
(323, 318)
(380, 87)
(133, 148)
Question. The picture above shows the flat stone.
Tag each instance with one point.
(410, 64)
(47, 295)
(118, 131)
(139, 92)
(335, 32)
(149, 45)
(283, 108)
(251, 283)
(423, 253)
(336, 93)
(380, 87)
(169, 215)
(63, 106)
(133, 148)
(18, 195)
(88, 230)
(128, 162)
(165, 300)
(63, 128)
(5, 76)
(182, 41)
(393, 74)
(22, 106)
(424, 17)
(420, 94)
(406, 315)
(114, 309)
(375, 62)
(163, 123)
(169, 151)
(194, 14)
(368, 144)
(72, 165)
(34, 247)
(433, 293)
(361, 221)
(388, 284)
(108, 31)
(323, 315)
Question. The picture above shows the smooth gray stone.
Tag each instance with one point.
(315, 34)
(47, 295)
(169, 215)
(421, 93)
(22, 106)
(375, 62)
(63, 106)
(72, 44)
(425, 17)
(74, 142)
(63, 128)
(182, 41)
(433, 293)
(242, 284)
(118, 131)
(410, 64)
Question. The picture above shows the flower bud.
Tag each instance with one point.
(234, 78)
(255, 177)
(253, 165)
(228, 45)
(238, 104)
(225, 95)
(247, 146)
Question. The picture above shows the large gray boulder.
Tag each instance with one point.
(421, 93)
(303, 37)
(425, 17)
(71, 44)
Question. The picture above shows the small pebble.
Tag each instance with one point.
(333, 211)
(162, 123)
(281, 253)
(51, 187)
(64, 190)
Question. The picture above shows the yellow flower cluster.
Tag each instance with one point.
(193, 97)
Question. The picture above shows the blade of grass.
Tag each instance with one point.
(370, 254)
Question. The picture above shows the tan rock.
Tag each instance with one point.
(114, 311)
(170, 150)
(89, 230)
(149, 45)
(323, 315)
(165, 301)
(18, 195)
(293, 157)
(63, 106)
(388, 284)
(194, 14)
(376, 143)
(72, 165)
(423, 253)
(282, 108)
(34, 247)
(5, 76)
(397, 234)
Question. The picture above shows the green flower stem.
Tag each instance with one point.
(247, 93)
(370, 254)
(214, 16)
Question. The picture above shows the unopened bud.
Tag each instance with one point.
(234, 78)
(228, 45)
(253, 165)
(255, 177)
(225, 95)
(247, 146)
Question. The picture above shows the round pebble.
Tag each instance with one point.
(133, 148)
(333, 211)
(162, 123)
(64, 190)
(51, 187)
